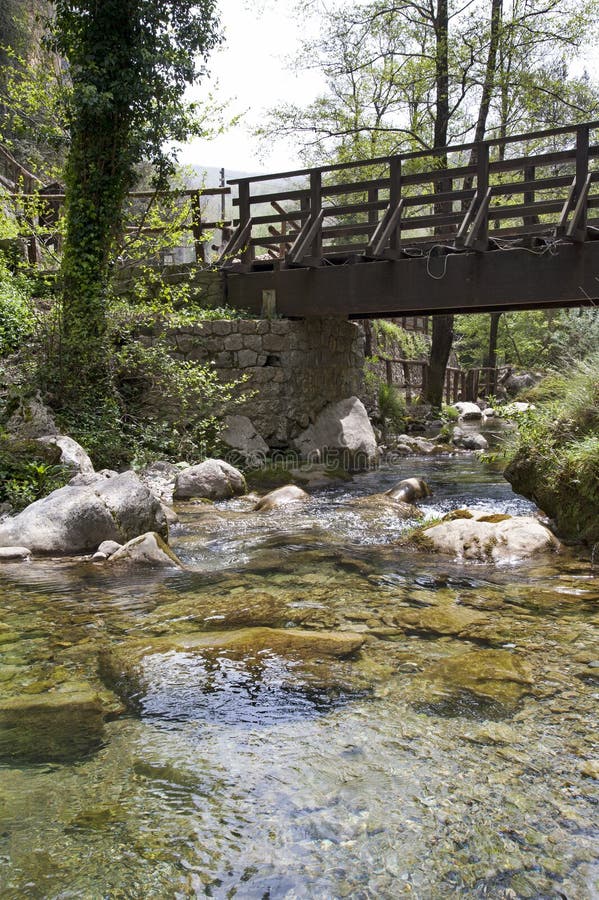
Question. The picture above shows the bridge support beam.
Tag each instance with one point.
(491, 281)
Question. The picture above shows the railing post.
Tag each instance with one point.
(482, 186)
(582, 171)
(395, 198)
(247, 254)
(196, 227)
(529, 195)
(315, 207)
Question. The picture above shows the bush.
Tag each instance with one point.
(17, 319)
(392, 406)
(555, 460)
(29, 471)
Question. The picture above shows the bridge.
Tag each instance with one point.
(504, 224)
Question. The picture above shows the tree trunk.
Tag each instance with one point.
(442, 336)
(440, 350)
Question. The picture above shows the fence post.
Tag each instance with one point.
(247, 253)
(394, 198)
(315, 207)
(196, 227)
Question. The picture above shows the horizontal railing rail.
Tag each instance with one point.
(319, 215)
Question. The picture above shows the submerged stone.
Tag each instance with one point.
(493, 676)
(53, 726)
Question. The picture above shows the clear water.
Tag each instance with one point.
(256, 773)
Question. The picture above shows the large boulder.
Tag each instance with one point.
(72, 454)
(240, 434)
(282, 496)
(342, 427)
(490, 537)
(146, 550)
(89, 510)
(214, 479)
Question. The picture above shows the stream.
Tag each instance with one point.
(454, 754)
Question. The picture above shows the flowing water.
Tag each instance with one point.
(145, 754)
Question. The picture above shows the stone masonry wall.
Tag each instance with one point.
(295, 367)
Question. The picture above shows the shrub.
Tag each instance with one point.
(17, 319)
(555, 460)
(392, 405)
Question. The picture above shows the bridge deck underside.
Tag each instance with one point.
(511, 279)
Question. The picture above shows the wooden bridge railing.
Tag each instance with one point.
(39, 213)
(463, 197)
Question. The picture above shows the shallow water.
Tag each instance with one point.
(413, 768)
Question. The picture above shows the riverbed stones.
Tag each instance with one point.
(468, 440)
(146, 550)
(344, 428)
(213, 479)
(488, 538)
(283, 496)
(78, 517)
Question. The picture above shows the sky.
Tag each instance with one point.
(250, 69)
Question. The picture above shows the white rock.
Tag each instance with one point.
(78, 517)
(240, 434)
(468, 410)
(343, 426)
(72, 454)
(8, 554)
(213, 479)
(489, 412)
(99, 557)
(109, 547)
(510, 540)
(148, 550)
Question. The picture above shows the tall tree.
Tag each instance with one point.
(130, 62)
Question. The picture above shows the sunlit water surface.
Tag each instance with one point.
(259, 774)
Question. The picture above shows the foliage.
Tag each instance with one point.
(411, 344)
(34, 93)
(392, 406)
(129, 65)
(17, 318)
(530, 340)
(380, 62)
(556, 456)
(28, 471)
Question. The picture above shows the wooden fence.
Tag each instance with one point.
(460, 384)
